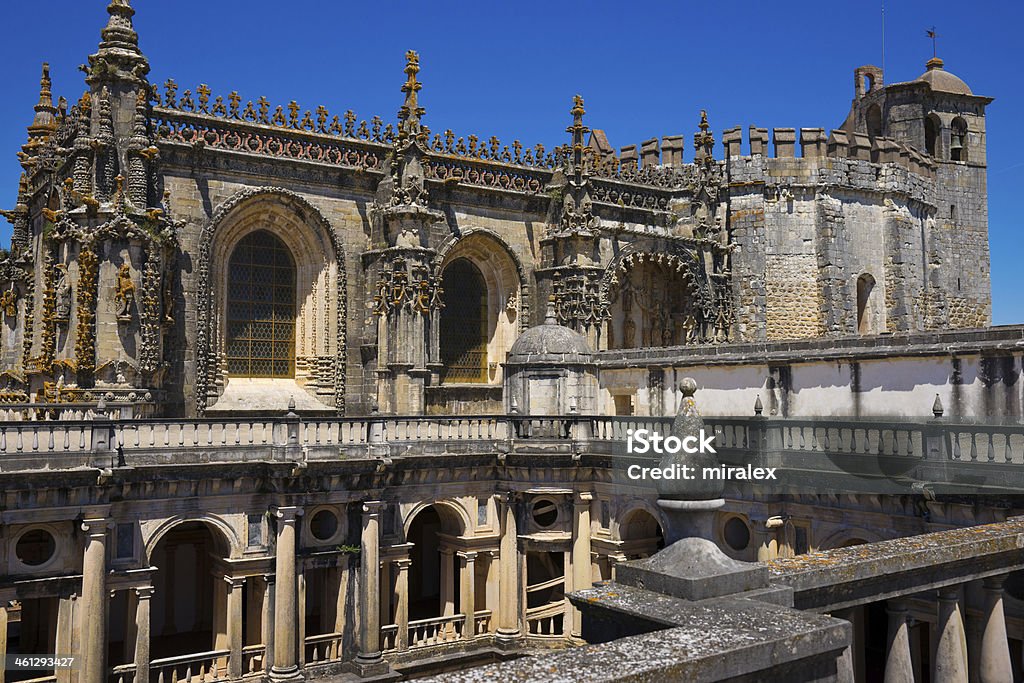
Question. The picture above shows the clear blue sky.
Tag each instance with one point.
(510, 68)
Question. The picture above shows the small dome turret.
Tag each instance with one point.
(941, 80)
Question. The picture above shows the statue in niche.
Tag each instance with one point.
(9, 302)
(124, 293)
(62, 291)
(690, 329)
(168, 300)
(628, 334)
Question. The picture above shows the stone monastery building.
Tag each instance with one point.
(293, 393)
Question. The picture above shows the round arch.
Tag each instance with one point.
(505, 281)
(321, 285)
(848, 537)
(454, 518)
(659, 326)
(224, 535)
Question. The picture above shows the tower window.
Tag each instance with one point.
(865, 286)
(931, 134)
(261, 308)
(958, 140)
(874, 121)
(464, 324)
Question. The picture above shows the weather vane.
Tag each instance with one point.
(932, 34)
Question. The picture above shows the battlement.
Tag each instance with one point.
(632, 160)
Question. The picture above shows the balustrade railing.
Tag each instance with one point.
(326, 647)
(254, 658)
(427, 632)
(124, 673)
(950, 440)
(202, 667)
(546, 621)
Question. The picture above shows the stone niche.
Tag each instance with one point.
(550, 370)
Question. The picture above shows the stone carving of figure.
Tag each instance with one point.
(690, 329)
(63, 294)
(124, 294)
(628, 334)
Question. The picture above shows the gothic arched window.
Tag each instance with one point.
(261, 308)
(464, 324)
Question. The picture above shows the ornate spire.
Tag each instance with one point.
(578, 131)
(119, 57)
(410, 112)
(44, 123)
(704, 141)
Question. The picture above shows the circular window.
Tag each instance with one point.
(736, 533)
(323, 525)
(35, 548)
(544, 513)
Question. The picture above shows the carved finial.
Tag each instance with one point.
(704, 141)
(549, 315)
(937, 409)
(118, 57)
(44, 122)
(758, 406)
(410, 113)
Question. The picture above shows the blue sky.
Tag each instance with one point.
(510, 69)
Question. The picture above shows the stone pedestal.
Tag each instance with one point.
(582, 575)
(402, 604)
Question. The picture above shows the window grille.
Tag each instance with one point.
(261, 308)
(464, 324)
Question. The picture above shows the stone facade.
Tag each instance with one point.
(135, 199)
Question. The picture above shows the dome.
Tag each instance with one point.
(941, 80)
(550, 342)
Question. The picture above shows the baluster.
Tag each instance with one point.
(803, 441)
(991, 447)
(1007, 454)
(910, 442)
(3, 440)
(955, 438)
(974, 447)
(35, 439)
(828, 440)
(20, 446)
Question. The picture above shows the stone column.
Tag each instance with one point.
(582, 578)
(369, 660)
(995, 663)
(285, 666)
(267, 618)
(447, 583)
(950, 664)
(402, 604)
(235, 586)
(899, 667)
(94, 594)
(65, 641)
(493, 588)
(508, 580)
(143, 595)
(467, 592)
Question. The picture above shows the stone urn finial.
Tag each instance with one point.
(689, 423)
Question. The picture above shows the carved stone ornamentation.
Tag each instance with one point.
(124, 293)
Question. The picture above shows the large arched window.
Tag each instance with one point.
(261, 308)
(932, 131)
(464, 324)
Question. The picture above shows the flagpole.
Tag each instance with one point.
(883, 39)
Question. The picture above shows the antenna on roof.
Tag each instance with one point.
(883, 36)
